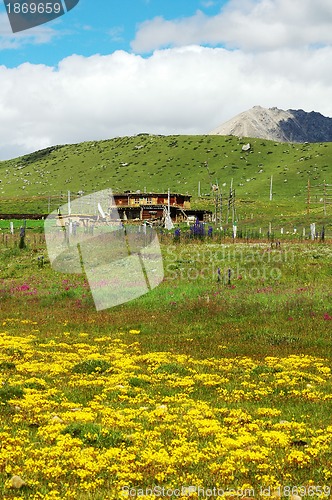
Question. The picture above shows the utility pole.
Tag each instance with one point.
(271, 192)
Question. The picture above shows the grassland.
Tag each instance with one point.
(34, 183)
(208, 382)
(220, 377)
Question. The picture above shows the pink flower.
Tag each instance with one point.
(24, 288)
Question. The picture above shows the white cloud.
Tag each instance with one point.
(116, 34)
(37, 35)
(245, 24)
(183, 90)
(208, 3)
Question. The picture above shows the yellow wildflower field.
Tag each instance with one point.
(93, 417)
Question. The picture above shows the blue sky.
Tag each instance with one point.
(108, 69)
(96, 27)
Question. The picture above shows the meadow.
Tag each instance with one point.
(38, 182)
(216, 384)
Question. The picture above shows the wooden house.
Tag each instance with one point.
(151, 206)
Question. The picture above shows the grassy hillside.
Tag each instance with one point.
(156, 163)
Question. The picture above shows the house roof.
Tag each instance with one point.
(133, 193)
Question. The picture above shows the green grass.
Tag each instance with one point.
(92, 435)
(91, 366)
(156, 163)
(278, 300)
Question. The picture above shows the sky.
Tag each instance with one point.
(113, 68)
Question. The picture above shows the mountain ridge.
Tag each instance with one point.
(296, 126)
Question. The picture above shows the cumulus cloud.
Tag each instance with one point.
(181, 90)
(244, 24)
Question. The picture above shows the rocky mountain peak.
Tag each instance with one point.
(279, 125)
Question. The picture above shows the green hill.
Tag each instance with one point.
(34, 182)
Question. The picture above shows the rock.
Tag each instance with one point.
(17, 482)
(57, 419)
(246, 147)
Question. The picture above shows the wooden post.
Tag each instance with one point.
(22, 236)
(220, 208)
(233, 205)
(69, 204)
(215, 208)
